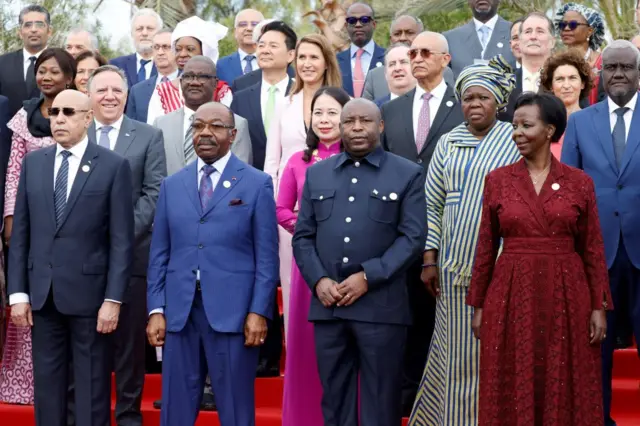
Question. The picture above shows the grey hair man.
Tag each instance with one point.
(80, 40)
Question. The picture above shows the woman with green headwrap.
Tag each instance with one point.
(448, 394)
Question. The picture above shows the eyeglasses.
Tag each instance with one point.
(364, 20)
(424, 52)
(202, 78)
(572, 25)
(158, 47)
(38, 24)
(66, 111)
(245, 24)
(199, 126)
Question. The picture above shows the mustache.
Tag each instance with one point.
(207, 141)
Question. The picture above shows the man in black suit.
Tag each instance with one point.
(70, 261)
(360, 308)
(17, 76)
(5, 144)
(418, 123)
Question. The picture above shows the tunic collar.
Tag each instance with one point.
(374, 158)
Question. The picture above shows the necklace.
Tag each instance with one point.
(535, 178)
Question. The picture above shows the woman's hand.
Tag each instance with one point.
(429, 277)
(598, 327)
(8, 226)
(476, 322)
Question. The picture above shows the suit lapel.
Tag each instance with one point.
(498, 37)
(556, 173)
(18, 64)
(633, 139)
(87, 165)
(473, 42)
(377, 58)
(603, 130)
(126, 135)
(132, 70)
(289, 86)
(190, 180)
(446, 106)
(48, 182)
(178, 139)
(523, 185)
(231, 175)
(235, 63)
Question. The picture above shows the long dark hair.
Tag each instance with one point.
(313, 140)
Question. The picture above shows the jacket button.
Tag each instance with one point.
(200, 246)
(202, 220)
(419, 160)
(50, 266)
(616, 214)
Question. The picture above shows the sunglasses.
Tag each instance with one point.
(66, 111)
(364, 20)
(425, 53)
(572, 25)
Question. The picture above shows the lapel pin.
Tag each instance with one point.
(226, 184)
(85, 168)
(555, 186)
(384, 198)
(449, 104)
(126, 134)
(500, 45)
(393, 196)
(233, 178)
(379, 64)
(375, 192)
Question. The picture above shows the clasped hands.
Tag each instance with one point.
(344, 294)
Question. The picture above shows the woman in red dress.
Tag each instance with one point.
(540, 309)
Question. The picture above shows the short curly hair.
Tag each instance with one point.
(566, 57)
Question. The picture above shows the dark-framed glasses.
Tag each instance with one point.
(66, 111)
(364, 20)
(202, 78)
(571, 25)
(423, 52)
(199, 126)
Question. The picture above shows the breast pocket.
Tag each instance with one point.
(322, 204)
(382, 209)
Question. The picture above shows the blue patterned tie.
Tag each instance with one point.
(142, 73)
(206, 186)
(247, 66)
(104, 137)
(619, 135)
(60, 191)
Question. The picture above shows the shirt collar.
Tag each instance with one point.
(188, 112)
(243, 55)
(77, 150)
(219, 165)
(374, 158)
(491, 23)
(116, 126)
(631, 104)
(171, 76)
(526, 74)
(281, 85)
(392, 96)
(26, 55)
(369, 48)
(139, 58)
(437, 93)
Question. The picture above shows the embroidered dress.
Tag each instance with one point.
(171, 97)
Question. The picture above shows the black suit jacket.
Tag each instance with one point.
(5, 144)
(253, 78)
(12, 84)
(398, 136)
(87, 257)
(246, 103)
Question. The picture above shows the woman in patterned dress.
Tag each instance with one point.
(540, 310)
(448, 394)
(55, 71)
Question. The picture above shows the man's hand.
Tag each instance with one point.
(156, 329)
(8, 227)
(327, 291)
(352, 289)
(255, 330)
(108, 317)
(21, 315)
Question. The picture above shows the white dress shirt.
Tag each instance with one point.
(113, 133)
(243, 63)
(365, 59)
(26, 55)
(219, 166)
(491, 24)
(281, 92)
(437, 95)
(613, 117)
(530, 81)
(147, 68)
(392, 96)
(77, 152)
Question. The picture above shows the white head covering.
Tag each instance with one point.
(257, 31)
(208, 33)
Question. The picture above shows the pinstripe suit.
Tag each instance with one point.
(448, 393)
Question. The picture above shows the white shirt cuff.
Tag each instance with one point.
(157, 311)
(18, 298)
(114, 301)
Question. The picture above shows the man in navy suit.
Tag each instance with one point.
(70, 261)
(276, 50)
(139, 66)
(363, 51)
(360, 309)
(604, 140)
(212, 277)
(244, 60)
(143, 97)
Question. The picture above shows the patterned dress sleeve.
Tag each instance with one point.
(287, 197)
(486, 248)
(436, 195)
(590, 247)
(18, 151)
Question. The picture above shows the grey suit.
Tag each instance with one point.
(464, 45)
(143, 147)
(376, 86)
(172, 126)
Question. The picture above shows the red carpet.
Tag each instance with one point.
(626, 395)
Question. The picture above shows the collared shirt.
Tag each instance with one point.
(365, 59)
(170, 77)
(281, 93)
(155, 109)
(437, 95)
(147, 68)
(243, 63)
(113, 133)
(25, 65)
(613, 117)
(491, 24)
(392, 96)
(530, 81)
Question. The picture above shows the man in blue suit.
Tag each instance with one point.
(212, 277)
(603, 140)
(242, 61)
(363, 50)
(139, 66)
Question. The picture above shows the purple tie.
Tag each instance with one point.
(424, 122)
(206, 186)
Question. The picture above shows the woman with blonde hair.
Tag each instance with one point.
(315, 65)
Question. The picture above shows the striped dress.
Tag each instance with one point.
(448, 394)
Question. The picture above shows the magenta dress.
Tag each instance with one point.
(302, 388)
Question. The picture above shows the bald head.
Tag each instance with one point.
(203, 61)
(361, 105)
(436, 41)
(70, 118)
(429, 57)
(245, 23)
(360, 7)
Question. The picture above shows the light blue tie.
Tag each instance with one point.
(484, 36)
(104, 137)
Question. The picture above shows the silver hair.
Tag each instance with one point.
(235, 21)
(393, 46)
(92, 38)
(415, 18)
(108, 68)
(623, 44)
(146, 12)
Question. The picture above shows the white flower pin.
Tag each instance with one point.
(393, 196)
(226, 184)
(85, 168)
(449, 104)
(379, 64)
(500, 45)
